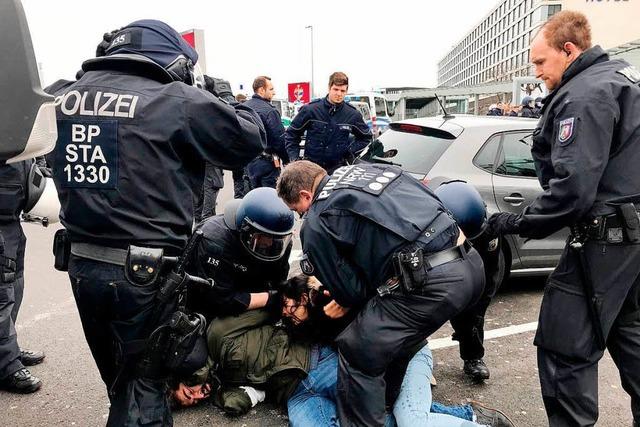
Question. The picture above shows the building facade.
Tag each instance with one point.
(497, 49)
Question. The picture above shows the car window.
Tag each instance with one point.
(487, 154)
(413, 152)
(515, 157)
(381, 105)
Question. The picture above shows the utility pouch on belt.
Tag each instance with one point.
(410, 268)
(142, 266)
(187, 347)
(631, 221)
(61, 250)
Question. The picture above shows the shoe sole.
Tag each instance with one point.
(32, 362)
(482, 405)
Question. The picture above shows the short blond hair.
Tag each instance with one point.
(567, 26)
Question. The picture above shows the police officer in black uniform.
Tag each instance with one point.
(377, 238)
(329, 124)
(134, 135)
(587, 151)
(14, 376)
(246, 253)
(264, 170)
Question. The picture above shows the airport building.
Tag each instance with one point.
(497, 49)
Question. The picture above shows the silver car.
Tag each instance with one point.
(493, 154)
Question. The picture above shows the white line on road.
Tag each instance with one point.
(494, 333)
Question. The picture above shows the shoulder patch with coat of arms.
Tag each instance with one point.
(566, 129)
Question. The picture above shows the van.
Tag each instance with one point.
(380, 111)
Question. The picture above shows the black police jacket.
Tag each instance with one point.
(361, 216)
(587, 144)
(235, 272)
(272, 125)
(328, 128)
(131, 150)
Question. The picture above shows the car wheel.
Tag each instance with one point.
(501, 274)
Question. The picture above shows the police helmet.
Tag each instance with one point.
(160, 43)
(465, 204)
(265, 224)
(539, 100)
(526, 101)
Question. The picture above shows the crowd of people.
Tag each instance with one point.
(180, 303)
(529, 108)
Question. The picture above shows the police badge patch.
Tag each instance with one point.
(306, 266)
(565, 130)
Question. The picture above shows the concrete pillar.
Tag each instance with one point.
(476, 104)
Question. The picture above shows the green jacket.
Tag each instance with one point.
(249, 350)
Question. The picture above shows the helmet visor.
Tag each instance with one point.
(264, 246)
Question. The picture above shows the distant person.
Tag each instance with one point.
(328, 123)
(241, 97)
(494, 110)
(528, 108)
(539, 106)
(241, 184)
(264, 170)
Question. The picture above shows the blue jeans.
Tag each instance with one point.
(414, 404)
(313, 402)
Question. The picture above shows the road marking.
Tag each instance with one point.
(488, 335)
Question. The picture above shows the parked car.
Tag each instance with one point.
(493, 154)
(364, 109)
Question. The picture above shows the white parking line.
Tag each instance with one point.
(494, 333)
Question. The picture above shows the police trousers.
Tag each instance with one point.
(11, 292)
(568, 353)
(114, 311)
(262, 172)
(468, 326)
(392, 328)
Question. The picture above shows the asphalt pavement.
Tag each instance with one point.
(73, 394)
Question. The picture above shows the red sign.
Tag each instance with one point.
(190, 37)
(300, 92)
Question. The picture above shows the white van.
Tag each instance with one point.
(380, 112)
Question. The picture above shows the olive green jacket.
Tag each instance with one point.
(249, 350)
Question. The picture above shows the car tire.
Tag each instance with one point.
(501, 275)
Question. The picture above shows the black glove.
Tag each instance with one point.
(502, 223)
(274, 301)
(107, 38)
(219, 87)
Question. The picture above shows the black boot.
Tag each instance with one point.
(476, 369)
(30, 358)
(21, 382)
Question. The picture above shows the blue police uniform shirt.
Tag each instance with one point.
(328, 128)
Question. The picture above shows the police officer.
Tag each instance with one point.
(379, 239)
(538, 106)
(328, 123)
(246, 253)
(586, 149)
(14, 199)
(134, 135)
(528, 108)
(264, 170)
(468, 326)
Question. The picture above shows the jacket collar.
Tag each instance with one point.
(333, 108)
(589, 57)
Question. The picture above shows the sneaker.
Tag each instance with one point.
(21, 382)
(490, 416)
(30, 358)
(476, 369)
